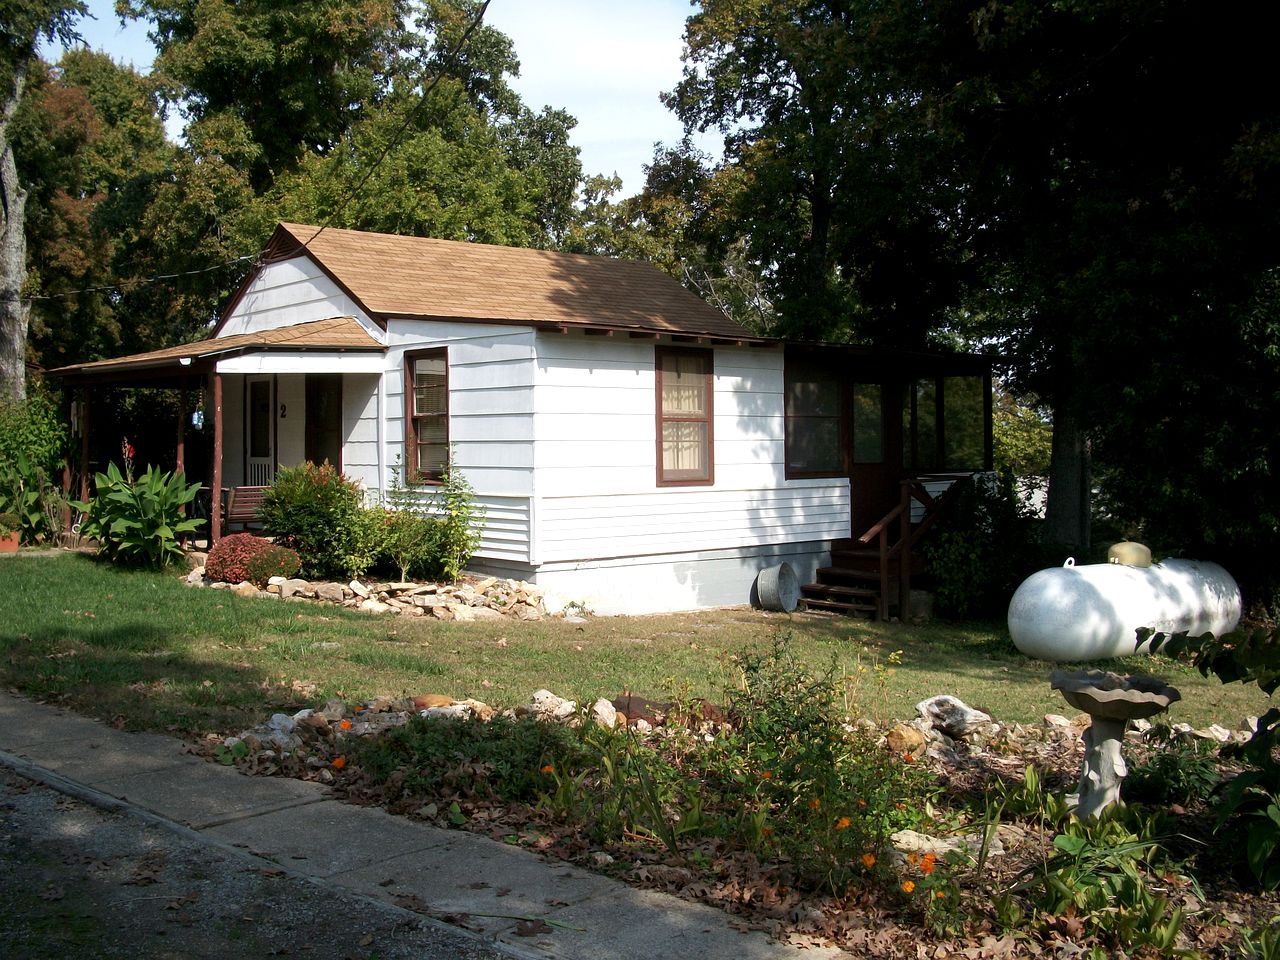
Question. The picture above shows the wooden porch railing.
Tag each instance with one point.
(913, 490)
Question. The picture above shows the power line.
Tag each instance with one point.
(127, 284)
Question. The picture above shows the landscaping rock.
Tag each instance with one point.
(545, 705)
(359, 589)
(295, 588)
(196, 577)
(332, 592)
(604, 713)
(245, 589)
(950, 715)
(970, 844)
(905, 738)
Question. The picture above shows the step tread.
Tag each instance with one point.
(868, 608)
(839, 590)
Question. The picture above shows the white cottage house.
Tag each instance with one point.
(634, 449)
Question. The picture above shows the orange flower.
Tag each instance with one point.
(766, 831)
(868, 860)
(913, 858)
(908, 886)
(899, 806)
(862, 803)
(766, 775)
(345, 725)
(938, 894)
(339, 762)
(908, 758)
(548, 769)
(815, 803)
(927, 863)
(842, 823)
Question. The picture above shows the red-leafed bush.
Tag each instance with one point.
(242, 556)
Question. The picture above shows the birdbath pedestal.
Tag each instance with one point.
(1111, 701)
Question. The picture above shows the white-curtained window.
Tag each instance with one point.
(684, 391)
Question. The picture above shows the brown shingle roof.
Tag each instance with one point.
(335, 333)
(418, 277)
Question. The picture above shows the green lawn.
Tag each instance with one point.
(151, 653)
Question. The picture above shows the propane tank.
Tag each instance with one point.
(1093, 611)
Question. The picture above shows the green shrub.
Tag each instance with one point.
(320, 513)
(984, 547)
(463, 521)
(242, 556)
(139, 522)
(432, 532)
(32, 429)
(1249, 803)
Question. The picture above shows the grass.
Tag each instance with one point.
(145, 650)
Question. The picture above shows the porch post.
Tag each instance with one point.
(68, 405)
(84, 445)
(215, 495)
(180, 457)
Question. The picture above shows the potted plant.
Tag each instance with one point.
(10, 533)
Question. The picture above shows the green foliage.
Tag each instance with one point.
(472, 759)
(985, 546)
(411, 538)
(31, 430)
(319, 513)
(1108, 872)
(9, 524)
(139, 521)
(462, 523)
(1250, 798)
(1176, 772)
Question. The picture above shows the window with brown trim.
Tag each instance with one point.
(426, 415)
(685, 416)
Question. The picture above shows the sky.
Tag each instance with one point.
(604, 61)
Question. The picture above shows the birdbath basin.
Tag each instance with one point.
(1111, 701)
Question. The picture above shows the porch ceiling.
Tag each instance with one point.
(336, 335)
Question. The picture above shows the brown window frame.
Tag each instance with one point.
(794, 371)
(411, 418)
(685, 478)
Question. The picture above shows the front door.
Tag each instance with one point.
(260, 435)
(324, 418)
(875, 446)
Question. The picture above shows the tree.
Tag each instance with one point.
(90, 134)
(25, 22)
(290, 77)
(1091, 186)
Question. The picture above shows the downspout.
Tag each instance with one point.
(382, 435)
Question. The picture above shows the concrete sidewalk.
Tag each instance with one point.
(296, 827)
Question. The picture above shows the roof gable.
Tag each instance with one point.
(419, 277)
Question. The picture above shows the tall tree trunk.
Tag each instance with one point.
(1067, 513)
(14, 313)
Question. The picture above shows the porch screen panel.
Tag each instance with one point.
(814, 432)
(427, 436)
(964, 420)
(684, 415)
(868, 423)
(920, 425)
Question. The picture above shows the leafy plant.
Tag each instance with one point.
(1176, 773)
(23, 493)
(31, 430)
(1243, 656)
(1101, 879)
(8, 524)
(320, 513)
(463, 521)
(411, 539)
(242, 556)
(139, 522)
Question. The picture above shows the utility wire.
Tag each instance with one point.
(127, 284)
(400, 132)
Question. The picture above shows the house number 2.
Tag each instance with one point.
(283, 408)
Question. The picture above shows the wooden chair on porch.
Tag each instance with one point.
(241, 506)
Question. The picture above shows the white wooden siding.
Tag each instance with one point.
(491, 420)
(595, 457)
(288, 292)
(360, 432)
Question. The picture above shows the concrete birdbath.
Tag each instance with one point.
(1111, 702)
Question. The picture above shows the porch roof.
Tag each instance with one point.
(333, 335)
